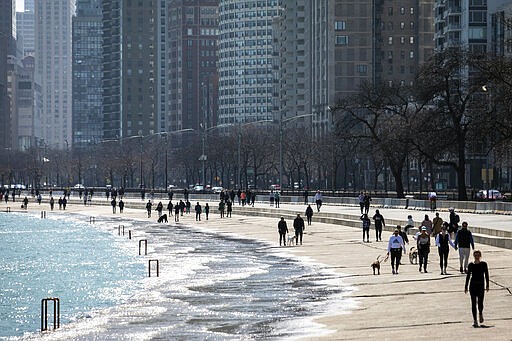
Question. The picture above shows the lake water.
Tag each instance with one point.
(211, 286)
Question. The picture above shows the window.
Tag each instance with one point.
(412, 10)
(402, 40)
(362, 69)
(340, 25)
(411, 54)
(412, 25)
(411, 40)
(390, 40)
(402, 25)
(341, 40)
(402, 10)
(390, 11)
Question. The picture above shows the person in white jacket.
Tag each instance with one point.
(395, 246)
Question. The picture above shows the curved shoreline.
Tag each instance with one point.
(389, 307)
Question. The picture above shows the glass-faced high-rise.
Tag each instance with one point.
(87, 62)
(245, 60)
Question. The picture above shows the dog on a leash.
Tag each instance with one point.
(291, 239)
(376, 264)
(413, 255)
(162, 218)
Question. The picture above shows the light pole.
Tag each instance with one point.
(281, 123)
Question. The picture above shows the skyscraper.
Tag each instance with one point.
(130, 68)
(7, 51)
(25, 27)
(192, 65)
(245, 60)
(53, 70)
(87, 64)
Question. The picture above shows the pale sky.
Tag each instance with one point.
(20, 5)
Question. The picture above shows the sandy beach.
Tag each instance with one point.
(410, 305)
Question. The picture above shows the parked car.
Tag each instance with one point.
(275, 187)
(198, 188)
(79, 186)
(491, 194)
(217, 189)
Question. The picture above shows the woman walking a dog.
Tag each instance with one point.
(395, 247)
(477, 277)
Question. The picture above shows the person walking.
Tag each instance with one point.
(64, 203)
(282, 228)
(443, 243)
(395, 247)
(188, 205)
(379, 224)
(177, 212)
(25, 203)
(361, 201)
(478, 280)
(170, 207)
(464, 241)
(277, 198)
(306, 196)
(148, 208)
(221, 208)
(298, 225)
(318, 200)
(454, 222)
(309, 214)
(229, 209)
(366, 227)
(437, 225)
(423, 245)
(402, 234)
(367, 199)
(206, 210)
(52, 203)
(113, 204)
(182, 207)
(428, 224)
(121, 205)
(159, 208)
(198, 210)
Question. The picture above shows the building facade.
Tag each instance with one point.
(26, 96)
(87, 76)
(130, 68)
(53, 67)
(245, 66)
(25, 26)
(192, 64)
(7, 58)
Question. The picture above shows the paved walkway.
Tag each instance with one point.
(410, 305)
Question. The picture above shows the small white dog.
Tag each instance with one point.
(291, 239)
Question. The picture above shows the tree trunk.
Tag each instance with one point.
(461, 171)
(396, 170)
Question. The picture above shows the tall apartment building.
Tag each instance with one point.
(192, 64)
(27, 95)
(25, 27)
(7, 58)
(464, 24)
(328, 48)
(53, 64)
(131, 73)
(87, 64)
(292, 71)
(245, 60)
(501, 31)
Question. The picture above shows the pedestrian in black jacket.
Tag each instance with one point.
(282, 228)
(309, 214)
(298, 225)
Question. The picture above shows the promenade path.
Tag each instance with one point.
(411, 305)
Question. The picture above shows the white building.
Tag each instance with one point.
(245, 60)
(53, 52)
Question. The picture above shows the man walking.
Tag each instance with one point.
(298, 225)
(379, 223)
(198, 209)
(463, 241)
(282, 228)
